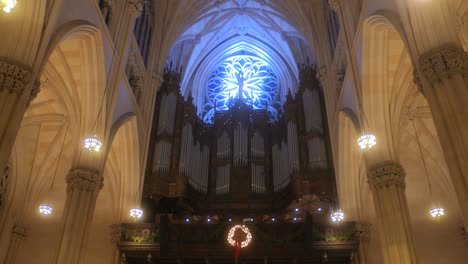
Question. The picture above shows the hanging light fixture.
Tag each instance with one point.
(436, 212)
(46, 208)
(337, 216)
(136, 213)
(7, 5)
(366, 141)
(93, 144)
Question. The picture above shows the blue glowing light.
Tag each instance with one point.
(246, 77)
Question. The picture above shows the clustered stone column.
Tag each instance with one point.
(444, 81)
(13, 101)
(83, 186)
(387, 182)
(18, 234)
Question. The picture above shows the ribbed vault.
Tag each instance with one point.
(234, 28)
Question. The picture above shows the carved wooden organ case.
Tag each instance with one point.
(241, 161)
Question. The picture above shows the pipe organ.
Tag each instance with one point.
(241, 155)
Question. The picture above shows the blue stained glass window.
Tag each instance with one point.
(246, 77)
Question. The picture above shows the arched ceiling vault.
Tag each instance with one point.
(214, 30)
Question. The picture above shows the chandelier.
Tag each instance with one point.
(93, 144)
(337, 216)
(437, 212)
(45, 209)
(366, 141)
(7, 5)
(136, 213)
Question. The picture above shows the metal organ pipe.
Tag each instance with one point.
(162, 157)
(167, 114)
(240, 145)
(222, 179)
(257, 145)
(292, 144)
(317, 153)
(258, 179)
(186, 149)
(281, 167)
(312, 111)
(224, 147)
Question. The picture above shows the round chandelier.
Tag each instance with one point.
(45, 209)
(366, 141)
(238, 231)
(7, 5)
(437, 212)
(93, 144)
(337, 216)
(136, 213)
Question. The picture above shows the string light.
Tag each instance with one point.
(248, 238)
(93, 144)
(136, 213)
(7, 5)
(366, 141)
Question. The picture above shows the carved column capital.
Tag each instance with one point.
(84, 180)
(322, 74)
(19, 232)
(158, 78)
(115, 233)
(388, 173)
(35, 91)
(443, 62)
(13, 78)
(362, 231)
(334, 4)
(136, 5)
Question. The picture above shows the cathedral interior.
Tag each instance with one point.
(233, 131)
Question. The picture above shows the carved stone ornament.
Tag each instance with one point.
(362, 231)
(443, 62)
(322, 74)
(19, 232)
(115, 233)
(35, 91)
(84, 180)
(388, 173)
(13, 77)
(137, 4)
(334, 4)
(158, 78)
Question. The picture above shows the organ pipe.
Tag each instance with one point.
(240, 145)
(312, 110)
(317, 153)
(257, 145)
(292, 144)
(258, 179)
(223, 179)
(167, 114)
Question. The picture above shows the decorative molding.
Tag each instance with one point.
(13, 77)
(462, 21)
(442, 62)
(388, 173)
(84, 180)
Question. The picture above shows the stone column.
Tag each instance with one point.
(14, 98)
(444, 81)
(387, 182)
(17, 236)
(83, 186)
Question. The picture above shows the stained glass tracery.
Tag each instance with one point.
(242, 77)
